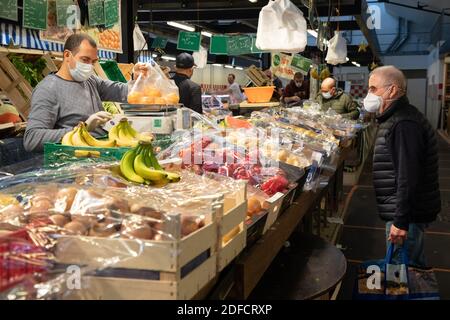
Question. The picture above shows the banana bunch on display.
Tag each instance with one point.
(80, 137)
(124, 134)
(140, 165)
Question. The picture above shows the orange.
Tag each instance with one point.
(146, 100)
(134, 97)
(172, 98)
(152, 92)
(160, 101)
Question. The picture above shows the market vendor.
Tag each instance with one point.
(73, 94)
(332, 97)
(297, 89)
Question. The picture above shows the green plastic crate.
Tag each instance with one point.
(112, 70)
(57, 155)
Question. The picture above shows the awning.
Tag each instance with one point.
(28, 38)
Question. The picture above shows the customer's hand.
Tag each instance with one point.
(396, 235)
(97, 119)
(294, 99)
(140, 68)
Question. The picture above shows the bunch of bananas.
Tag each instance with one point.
(124, 134)
(80, 137)
(140, 165)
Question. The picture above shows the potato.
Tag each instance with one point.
(76, 227)
(64, 199)
(59, 220)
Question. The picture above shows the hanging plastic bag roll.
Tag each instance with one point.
(337, 49)
(281, 27)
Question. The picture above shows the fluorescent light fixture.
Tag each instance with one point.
(181, 26)
(207, 34)
(154, 55)
(228, 66)
(168, 58)
(312, 32)
(347, 59)
(253, 1)
(356, 64)
(217, 65)
(239, 68)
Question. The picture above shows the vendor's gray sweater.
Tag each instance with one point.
(58, 105)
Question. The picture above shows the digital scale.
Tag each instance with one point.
(157, 119)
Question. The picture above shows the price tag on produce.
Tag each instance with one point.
(277, 196)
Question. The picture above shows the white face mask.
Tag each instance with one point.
(326, 95)
(372, 102)
(82, 71)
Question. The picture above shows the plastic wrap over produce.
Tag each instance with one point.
(233, 153)
(62, 229)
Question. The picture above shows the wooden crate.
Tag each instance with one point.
(166, 261)
(14, 86)
(273, 206)
(232, 222)
(257, 76)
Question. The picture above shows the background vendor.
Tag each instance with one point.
(297, 89)
(332, 97)
(71, 95)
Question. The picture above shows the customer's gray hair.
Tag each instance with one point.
(391, 75)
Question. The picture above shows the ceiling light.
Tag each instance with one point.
(154, 55)
(181, 26)
(313, 33)
(217, 65)
(347, 59)
(168, 58)
(253, 1)
(207, 34)
(239, 68)
(356, 64)
(228, 66)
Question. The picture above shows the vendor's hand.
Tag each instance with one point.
(295, 99)
(396, 235)
(140, 68)
(97, 119)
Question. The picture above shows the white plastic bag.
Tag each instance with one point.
(281, 28)
(139, 40)
(337, 49)
(201, 57)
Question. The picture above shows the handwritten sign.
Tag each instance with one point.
(238, 45)
(189, 41)
(96, 12)
(218, 45)
(35, 14)
(301, 62)
(159, 42)
(8, 9)
(111, 13)
(281, 66)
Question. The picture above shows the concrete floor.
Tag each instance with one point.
(363, 235)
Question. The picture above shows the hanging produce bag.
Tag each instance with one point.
(337, 49)
(386, 280)
(281, 28)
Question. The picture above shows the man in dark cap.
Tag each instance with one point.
(190, 92)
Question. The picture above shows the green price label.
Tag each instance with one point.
(159, 42)
(238, 45)
(189, 41)
(301, 63)
(8, 10)
(96, 12)
(35, 14)
(157, 123)
(218, 45)
(111, 13)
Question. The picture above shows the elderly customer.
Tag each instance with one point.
(405, 163)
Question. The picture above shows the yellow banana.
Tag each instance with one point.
(67, 139)
(173, 177)
(126, 139)
(94, 142)
(132, 131)
(77, 139)
(113, 134)
(147, 173)
(126, 167)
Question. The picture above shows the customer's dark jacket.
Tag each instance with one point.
(405, 166)
(190, 92)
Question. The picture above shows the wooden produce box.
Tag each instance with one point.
(145, 269)
(14, 86)
(273, 205)
(232, 233)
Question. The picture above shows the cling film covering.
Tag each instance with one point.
(91, 219)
